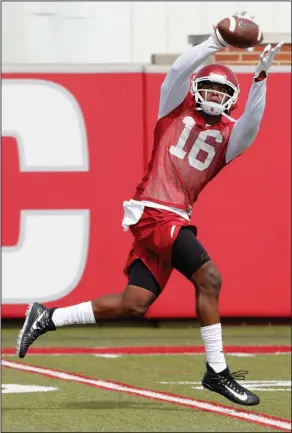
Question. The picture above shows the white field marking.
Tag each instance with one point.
(253, 385)
(244, 415)
(15, 388)
(200, 388)
(114, 355)
(247, 382)
(107, 355)
(241, 355)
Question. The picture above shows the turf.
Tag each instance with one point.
(94, 336)
(77, 407)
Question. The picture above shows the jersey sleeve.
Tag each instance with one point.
(246, 127)
(176, 84)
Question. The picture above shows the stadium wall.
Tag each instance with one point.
(120, 32)
(243, 216)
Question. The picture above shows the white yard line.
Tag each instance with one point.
(256, 418)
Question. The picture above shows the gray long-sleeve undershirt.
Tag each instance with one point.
(176, 87)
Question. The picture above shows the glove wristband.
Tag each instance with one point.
(261, 76)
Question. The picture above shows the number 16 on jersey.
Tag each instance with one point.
(201, 143)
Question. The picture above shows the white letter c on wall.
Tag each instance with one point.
(50, 257)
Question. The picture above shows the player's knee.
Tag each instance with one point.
(134, 308)
(208, 281)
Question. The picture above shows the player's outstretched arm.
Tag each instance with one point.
(176, 84)
(246, 128)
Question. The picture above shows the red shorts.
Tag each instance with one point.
(154, 235)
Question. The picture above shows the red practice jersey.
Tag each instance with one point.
(187, 154)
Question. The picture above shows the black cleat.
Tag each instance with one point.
(38, 321)
(223, 383)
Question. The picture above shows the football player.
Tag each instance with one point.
(194, 139)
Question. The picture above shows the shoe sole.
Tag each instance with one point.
(209, 388)
(19, 338)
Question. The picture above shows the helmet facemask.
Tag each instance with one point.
(200, 91)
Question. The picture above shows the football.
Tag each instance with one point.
(240, 32)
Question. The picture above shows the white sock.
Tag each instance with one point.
(212, 337)
(80, 314)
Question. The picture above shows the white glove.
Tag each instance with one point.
(244, 14)
(217, 38)
(266, 60)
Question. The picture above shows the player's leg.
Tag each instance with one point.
(139, 294)
(142, 290)
(191, 259)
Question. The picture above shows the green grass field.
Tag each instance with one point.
(79, 407)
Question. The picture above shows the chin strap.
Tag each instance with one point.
(222, 114)
(229, 117)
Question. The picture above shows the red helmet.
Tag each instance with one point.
(215, 73)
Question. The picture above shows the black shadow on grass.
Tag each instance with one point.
(109, 404)
(101, 405)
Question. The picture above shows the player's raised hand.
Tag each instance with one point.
(265, 61)
(239, 30)
(216, 34)
(244, 14)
